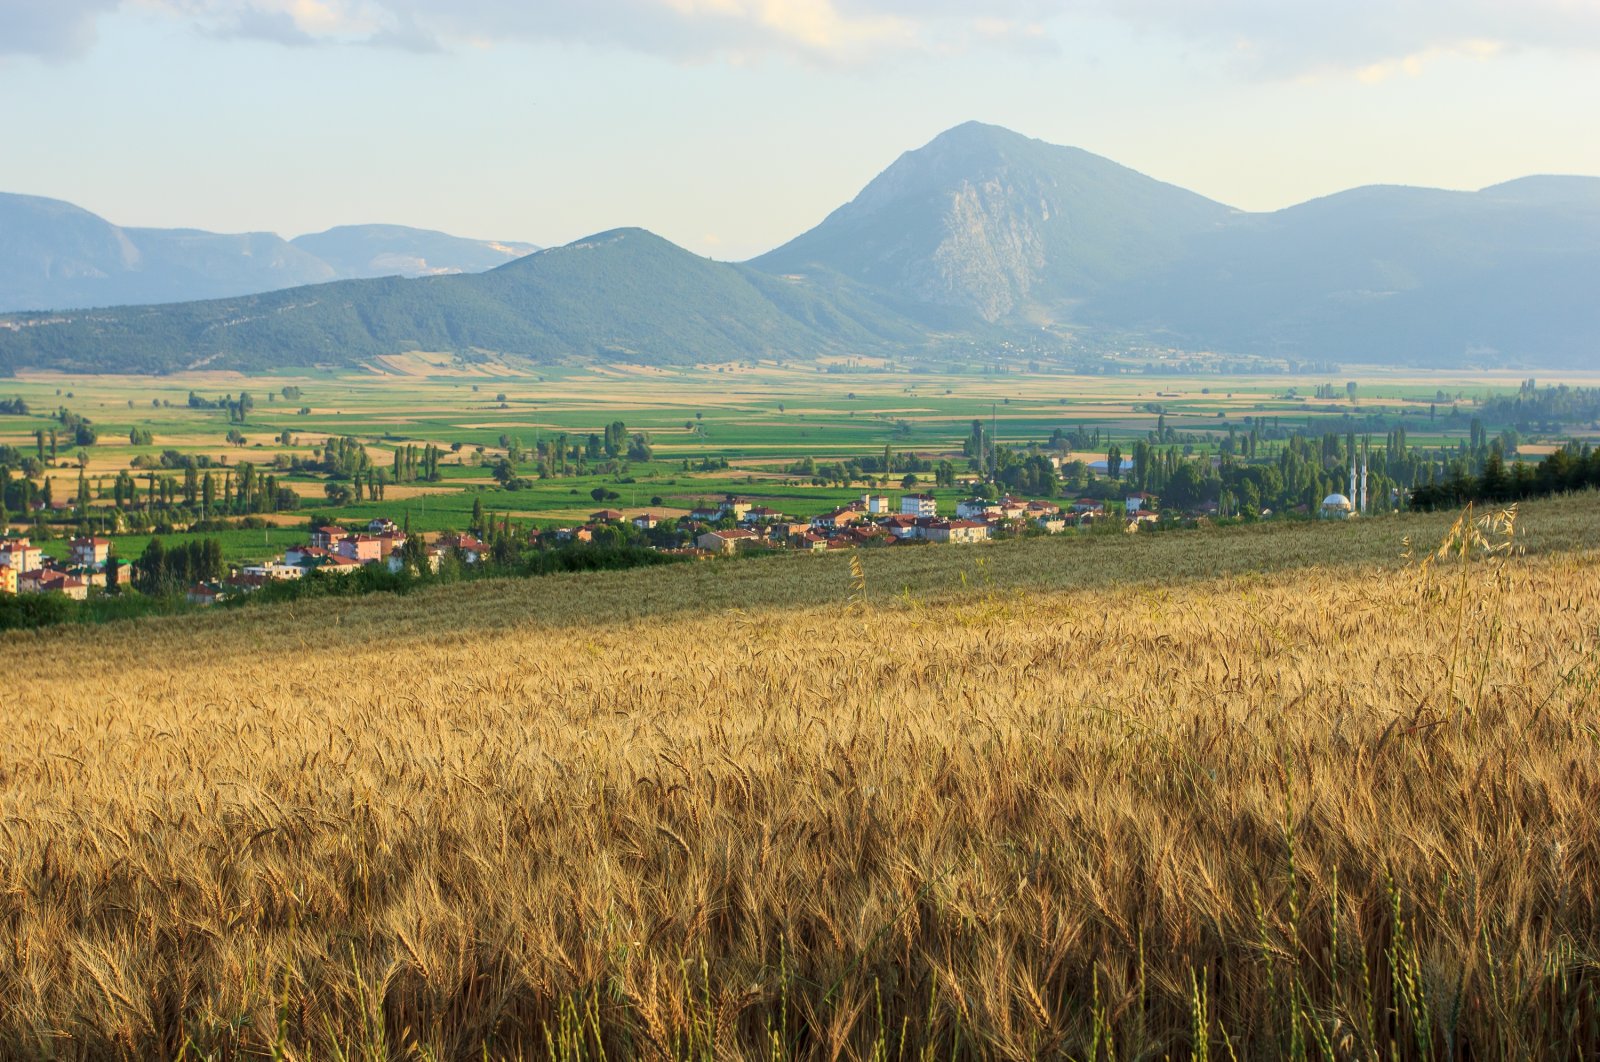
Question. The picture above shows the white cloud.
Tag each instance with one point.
(51, 29)
(1371, 39)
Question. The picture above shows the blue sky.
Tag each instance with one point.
(729, 126)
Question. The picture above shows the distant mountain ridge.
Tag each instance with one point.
(57, 256)
(979, 241)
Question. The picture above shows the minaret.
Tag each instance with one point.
(1365, 456)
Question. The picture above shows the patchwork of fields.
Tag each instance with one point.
(1264, 792)
(760, 418)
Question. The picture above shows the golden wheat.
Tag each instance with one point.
(1338, 812)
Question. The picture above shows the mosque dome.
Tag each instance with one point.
(1337, 501)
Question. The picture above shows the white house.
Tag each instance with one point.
(976, 509)
(919, 505)
(876, 504)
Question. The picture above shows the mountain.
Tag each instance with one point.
(987, 221)
(390, 250)
(1387, 274)
(625, 295)
(57, 256)
(985, 225)
(981, 238)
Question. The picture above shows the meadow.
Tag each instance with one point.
(1311, 790)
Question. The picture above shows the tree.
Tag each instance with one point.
(908, 481)
(338, 493)
(1114, 461)
(476, 524)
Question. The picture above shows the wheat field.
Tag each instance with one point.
(1339, 811)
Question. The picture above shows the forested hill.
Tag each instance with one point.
(621, 295)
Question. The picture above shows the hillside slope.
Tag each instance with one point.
(1004, 227)
(625, 295)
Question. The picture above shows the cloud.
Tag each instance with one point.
(50, 29)
(1370, 39)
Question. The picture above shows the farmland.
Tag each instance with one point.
(1273, 791)
(712, 429)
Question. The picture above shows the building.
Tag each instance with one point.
(725, 542)
(1337, 507)
(903, 526)
(832, 521)
(472, 551)
(363, 549)
(327, 537)
(919, 505)
(379, 525)
(21, 556)
(646, 521)
(203, 595)
(875, 504)
(734, 507)
(1140, 502)
(956, 531)
(760, 514)
(1089, 507)
(50, 581)
(90, 552)
(276, 571)
(703, 515)
(303, 556)
(606, 516)
(8, 579)
(976, 509)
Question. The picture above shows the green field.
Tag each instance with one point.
(759, 418)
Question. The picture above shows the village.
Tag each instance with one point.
(731, 526)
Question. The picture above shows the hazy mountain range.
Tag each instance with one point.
(982, 235)
(56, 256)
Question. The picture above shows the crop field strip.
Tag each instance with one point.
(1342, 808)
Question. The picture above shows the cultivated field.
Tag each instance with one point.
(1257, 793)
(760, 418)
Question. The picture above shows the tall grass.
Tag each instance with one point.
(1332, 812)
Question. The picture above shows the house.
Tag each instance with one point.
(646, 521)
(956, 531)
(1037, 509)
(203, 595)
(1089, 507)
(245, 583)
(1012, 508)
(8, 579)
(760, 514)
(50, 581)
(606, 516)
(379, 525)
(702, 515)
(363, 549)
(472, 551)
(21, 556)
(389, 541)
(1140, 502)
(875, 504)
(337, 565)
(305, 556)
(902, 526)
(832, 521)
(976, 509)
(90, 552)
(725, 542)
(274, 571)
(919, 505)
(734, 507)
(809, 540)
(327, 537)
(1050, 523)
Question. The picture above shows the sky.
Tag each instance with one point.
(730, 126)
